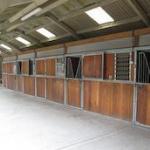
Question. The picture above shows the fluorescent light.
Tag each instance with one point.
(45, 33)
(99, 15)
(5, 47)
(22, 40)
(32, 13)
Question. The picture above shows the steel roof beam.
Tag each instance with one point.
(82, 10)
(139, 11)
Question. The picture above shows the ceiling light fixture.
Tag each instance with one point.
(24, 41)
(32, 13)
(45, 33)
(99, 15)
(6, 47)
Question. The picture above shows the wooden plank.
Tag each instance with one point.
(11, 82)
(74, 93)
(100, 39)
(109, 98)
(40, 67)
(143, 110)
(40, 87)
(143, 31)
(4, 80)
(10, 68)
(109, 66)
(51, 67)
(92, 66)
(4, 68)
(25, 67)
(19, 83)
(29, 85)
(55, 90)
(122, 101)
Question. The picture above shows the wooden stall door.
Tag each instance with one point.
(55, 90)
(4, 80)
(40, 67)
(74, 93)
(92, 66)
(19, 83)
(51, 67)
(111, 99)
(40, 87)
(29, 85)
(143, 109)
(25, 67)
(109, 66)
(11, 82)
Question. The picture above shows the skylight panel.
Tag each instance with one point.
(23, 41)
(99, 15)
(32, 13)
(45, 33)
(6, 47)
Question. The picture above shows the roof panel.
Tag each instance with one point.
(70, 6)
(145, 5)
(120, 10)
(10, 11)
(81, 22)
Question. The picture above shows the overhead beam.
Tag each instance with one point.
(30, 37)
(27, 9)
(3, 51)
(139, 11)
(52, 6)
(109, 25)
(62, 25)
(81, 10)
(14, 48)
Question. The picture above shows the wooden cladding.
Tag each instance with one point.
(4, 68)
(29, 85)
(40, 87)
(4, 80)
(109, 66)
(11, 82)
(74, 93)
(55, 90)
(40, 67)
(92, 66)
(109, 99)
(10, 68)
(51, 67)
(19, 83)
(25, 67)
(143, 110)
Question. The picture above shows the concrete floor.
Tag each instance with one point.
(27, 123)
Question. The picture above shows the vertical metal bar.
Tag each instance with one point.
(134, 114)
(139, 68)
(115, 72)
(65, 82)
(130, 67)
(102, 66)
(45, 78)
(82, 82)
(35, 73)
(143, 67)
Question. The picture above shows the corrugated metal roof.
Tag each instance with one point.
(145, 5)
(120, 10)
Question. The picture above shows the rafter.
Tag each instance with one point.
(139, 11)
(81, 10)
(62, 25)
(109, 25)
